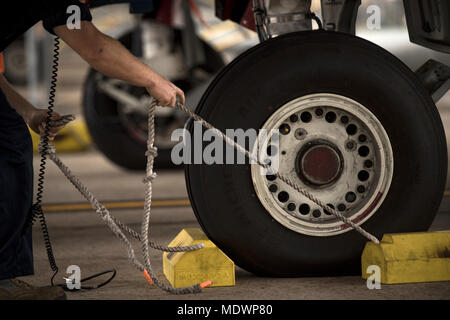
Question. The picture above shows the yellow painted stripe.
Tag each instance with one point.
(128, 204)
(115, 205)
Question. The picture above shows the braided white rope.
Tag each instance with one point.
(115, 225)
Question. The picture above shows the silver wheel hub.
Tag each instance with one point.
(336, 149)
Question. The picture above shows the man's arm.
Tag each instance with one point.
(111, 58)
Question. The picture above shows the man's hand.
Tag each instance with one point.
(36, 121)
(35, 118)
(165, 92)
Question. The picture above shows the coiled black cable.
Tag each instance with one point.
(37, 207)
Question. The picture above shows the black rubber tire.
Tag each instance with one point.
(15, 64)
(267, 76)
(108, 133)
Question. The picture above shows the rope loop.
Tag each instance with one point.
(149, 178)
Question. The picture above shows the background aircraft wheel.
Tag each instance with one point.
(120, 131)
(357, 129)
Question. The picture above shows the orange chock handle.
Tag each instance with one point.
(146, 275)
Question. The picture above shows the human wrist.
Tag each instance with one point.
(28, 113)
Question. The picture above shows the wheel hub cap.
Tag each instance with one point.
(319, 165)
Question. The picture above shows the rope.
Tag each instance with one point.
(118, 228)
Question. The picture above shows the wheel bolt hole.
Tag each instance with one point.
(361, 189)
(326, 211)
(291, 206)
(330, 117)
(350, 197)
(306, 116)
(368, 164)
(318, 112)
(273, 188)
(304, 209)
(316, 213)
(293, 118)
(283, 196)
(344, 119)
(341, 207)
(363, 151)
(271, 177)
(362, 138)
(363, 175)
(351, 129)
(285, 129)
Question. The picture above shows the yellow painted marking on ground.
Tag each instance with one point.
(115, 205)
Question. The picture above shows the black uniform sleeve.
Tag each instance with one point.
(60, 17)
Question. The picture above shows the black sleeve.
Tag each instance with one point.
(60, 17)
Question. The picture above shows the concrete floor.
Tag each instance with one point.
(82, 239)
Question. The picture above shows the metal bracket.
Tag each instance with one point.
(287, 16)
(435, 77)
(340, 15)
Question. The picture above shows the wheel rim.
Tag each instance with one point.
(336, 149)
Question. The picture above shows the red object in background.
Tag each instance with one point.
(248, 19)
(165, 12)
(239, 11)
(2, 64)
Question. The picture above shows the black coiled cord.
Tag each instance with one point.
(37, 207)
(37, 211)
